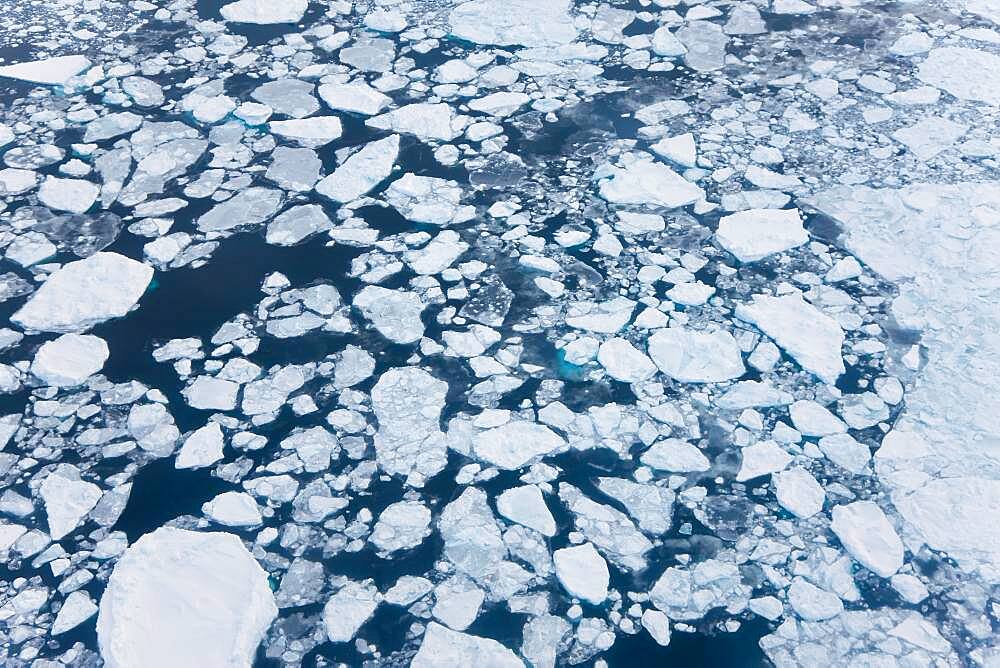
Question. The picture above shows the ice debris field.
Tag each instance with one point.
(449, 333)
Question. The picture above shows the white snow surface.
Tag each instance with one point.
(184, 598)
(70, 359)
(530, 23)
(754, 234)
(50, 71)
(444, 648)
(583, 572)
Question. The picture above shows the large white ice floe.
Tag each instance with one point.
(247, 207)
(428, 199)
(310, 132)
(362, 171)
(84, 293)
(811, 337)
(264, 12)
(513, 22)
(72, 195)
(692, 356)
(67, 499)
(426, 120)
(944, 479)
(179, 597)
(348, 609)
(969, 74)
(50, 71)
(409, 442)
(754, 234)
(442, 647)
(583, 572)
(70, 360)
(394, 313)
(868, 536)
(641, 180)
(516, 444)
(356, 97)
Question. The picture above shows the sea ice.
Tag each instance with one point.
(582, 572)
(264, 12)
(179, 597)
(70, 359)
(84, 293)
(754, 234)
(50, 71)
(362, 171)
(691, 356)
(868, 536)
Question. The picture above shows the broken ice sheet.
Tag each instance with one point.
(545, 333)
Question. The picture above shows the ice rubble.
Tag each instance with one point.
(84, 293)
(203, 600)
(407, 403)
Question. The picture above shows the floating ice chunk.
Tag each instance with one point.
(752, 394)
(798, 492)
(428, 199)
(754, 234)
(514, 22)
(623, 362)
(16, 181)
(265, 12)
(291, 97)
(76, 609)
(582, 572)
(84, 293)
(810, 336)
(146, 613)
(49, 71)
(362, 171)
(298, 224)
(424, 119)
(70, 360)
(67, 499)
(665, 43)
(348, 609)
(641, 180)
(401, 526)
(294, 168)
(457, 601)
(673, 454)
(706, 45)
(680, 150)
(812, 603)
(691, 356)
(111, 126)
(868, 536)
(472, 539)
(247, 207)
(516, 444)
(845, 452)
(407, 403)
(73, 195)
(6, 135)
(813, 419)
(442, 647)
(309, 132)
(233, 509)
(208, 393)
(689, 594)
(356, 97)
(144, 92)
(762, 458)
(930, 136)
(604, 317)
(202, 448)
(649, 505)
(968, 74)
(501, 104)
(395, 314)
(153, 428)
(956, 515)
(525, 505)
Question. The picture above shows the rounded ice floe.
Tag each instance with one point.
(754, 234)
(673, 454)
(624, 362)
(72, 195)
(184, 598)
(84, 293)
(265, 12)
(516, 444)
(798, 492)
(234, 509)
(583, 572)
(696, 357)
(868, 536)
(70, 360)
(401, 526)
